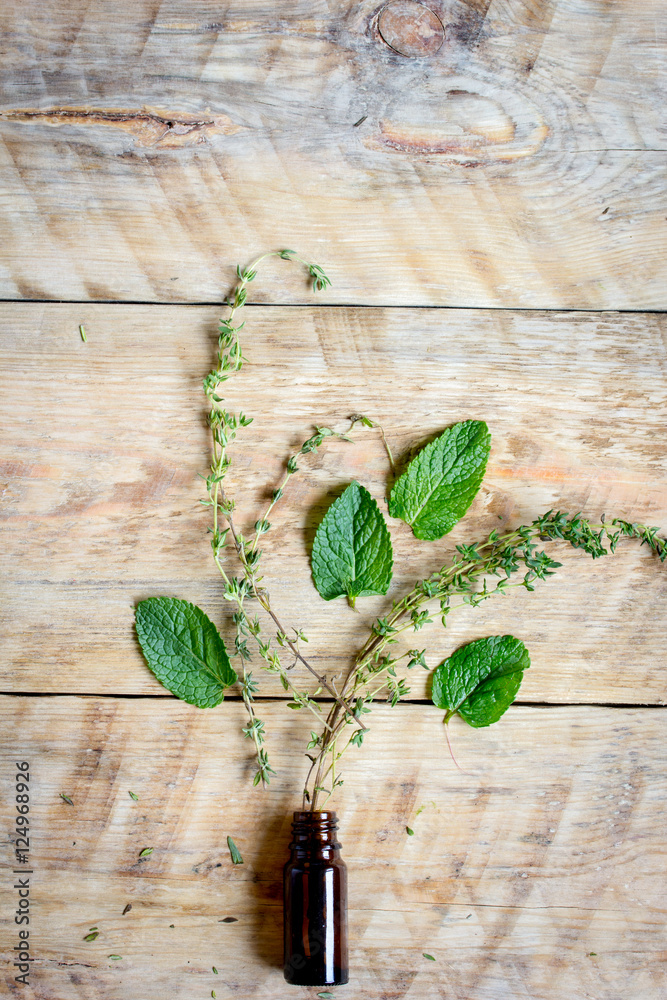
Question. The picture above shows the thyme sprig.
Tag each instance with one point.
(476, 573)
(248, 587)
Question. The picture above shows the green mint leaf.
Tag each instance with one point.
(184, 650)
(352, 552)
(481, 680)
(234, 852)
(442, 481)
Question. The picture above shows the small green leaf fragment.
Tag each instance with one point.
(213, 994)
(133, 796)
(184, 650)
(115, 958)
(352, 554)
(429, 957)
(234, 852)
(442, 481)
(66, 799)
(327, 996)
(592, 954)
(92, 936)
(146, 851)
(83, 334)
(409, 831)
(215, 971)
(481, 679)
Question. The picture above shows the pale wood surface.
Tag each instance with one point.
(488, 154)
(550, 847)
(146, 147)
(104, 442)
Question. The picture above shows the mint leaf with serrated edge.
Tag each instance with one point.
(481, 679)
(442, 481)
(352, 553)
(184, 650)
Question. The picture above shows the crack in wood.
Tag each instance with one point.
(148, 127)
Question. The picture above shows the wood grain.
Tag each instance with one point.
(475, 154)
(549, 849)
(104, 442)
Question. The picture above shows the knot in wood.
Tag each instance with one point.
(411, 28)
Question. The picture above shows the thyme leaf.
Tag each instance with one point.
(234, 852)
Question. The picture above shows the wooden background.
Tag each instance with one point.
(495, 231)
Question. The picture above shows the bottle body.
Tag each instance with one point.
(315, 899)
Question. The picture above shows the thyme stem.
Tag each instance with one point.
(497, 556)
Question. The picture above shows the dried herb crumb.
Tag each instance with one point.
(172, 925)
(93, 928)
(127, 909)
(133, 796)
(592, 954)
(92, 936)
(228, 920)
(66, 799)
(409, 831)
(234, 852)
(146, 851)
(429, 957)
(215, 971)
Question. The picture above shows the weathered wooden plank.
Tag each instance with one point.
(104, 442)
(539, 872)
(147, 147)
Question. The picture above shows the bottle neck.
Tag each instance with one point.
(314, 835)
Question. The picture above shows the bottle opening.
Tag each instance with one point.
(315, 828)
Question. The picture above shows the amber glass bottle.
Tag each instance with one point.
(315, 885)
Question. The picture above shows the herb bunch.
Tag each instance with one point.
(352, 557)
